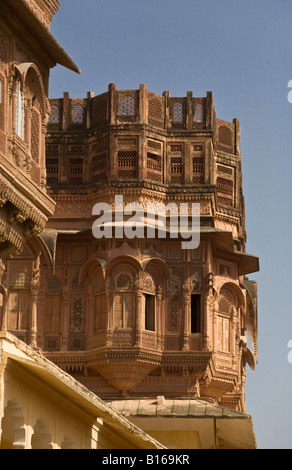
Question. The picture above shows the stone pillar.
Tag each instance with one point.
(112, 103)
(233, 328)
(42, 156)
(33, 320)
(186, 317)
(237, 139)
(143, 111)
(35, 283)
(3, 299)
(214, 325)
(189, 116)
(159, 317)
(188, 164)
(166, 95)
(28, 119)
(90, 96)
(110, 301)
(65, 319)
(138, 334)
(112, 157)
(66, 110)
(208, 323)
(209, 109)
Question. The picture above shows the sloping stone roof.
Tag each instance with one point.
(191, 408)
(218, 426)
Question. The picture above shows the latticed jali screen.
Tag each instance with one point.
(225, 136)
(52, 170)
(35, 135)
(177, 170)
(178, 112)
(225, 184)
(55, 118)
(225, 189)
(154, 167)
(127, 105)
(99, 167)
(127, 164)
(76, 170)
(77, 114)
(155, 110)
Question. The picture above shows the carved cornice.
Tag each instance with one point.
(75, 204)
(27, 198)
(10, 234)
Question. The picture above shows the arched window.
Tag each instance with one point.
(55, 114)
(77, 114)
(196, 308)
(148, 303)
(19, 111)
(178, 112)
(19, 300)
(124, 301)
(199, 113)
(98, 284)
(225, 306)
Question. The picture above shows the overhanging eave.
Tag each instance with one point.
(41, 34)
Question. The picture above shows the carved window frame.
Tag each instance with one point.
(19, 114)
(149, 313)
(224, 322)
(126, 294)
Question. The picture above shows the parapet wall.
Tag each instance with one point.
(162, 112)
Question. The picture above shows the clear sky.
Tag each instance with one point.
(241, 51)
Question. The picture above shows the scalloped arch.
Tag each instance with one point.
(235, 290)
(160, 263)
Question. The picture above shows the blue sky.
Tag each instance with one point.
(241, 51)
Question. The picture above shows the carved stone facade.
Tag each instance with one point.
(140, 317)
(26, 57)
(25, 62)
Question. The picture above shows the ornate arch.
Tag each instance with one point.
(235, 290)
(89, 266)
(158, 264)
(125, 259)
(23, 71)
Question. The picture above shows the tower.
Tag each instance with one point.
(136, 317)
(152, 326)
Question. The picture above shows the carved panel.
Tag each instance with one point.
(172, 343)
(173, 323)
(77, 318)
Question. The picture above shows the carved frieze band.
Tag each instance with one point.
(26, 208)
